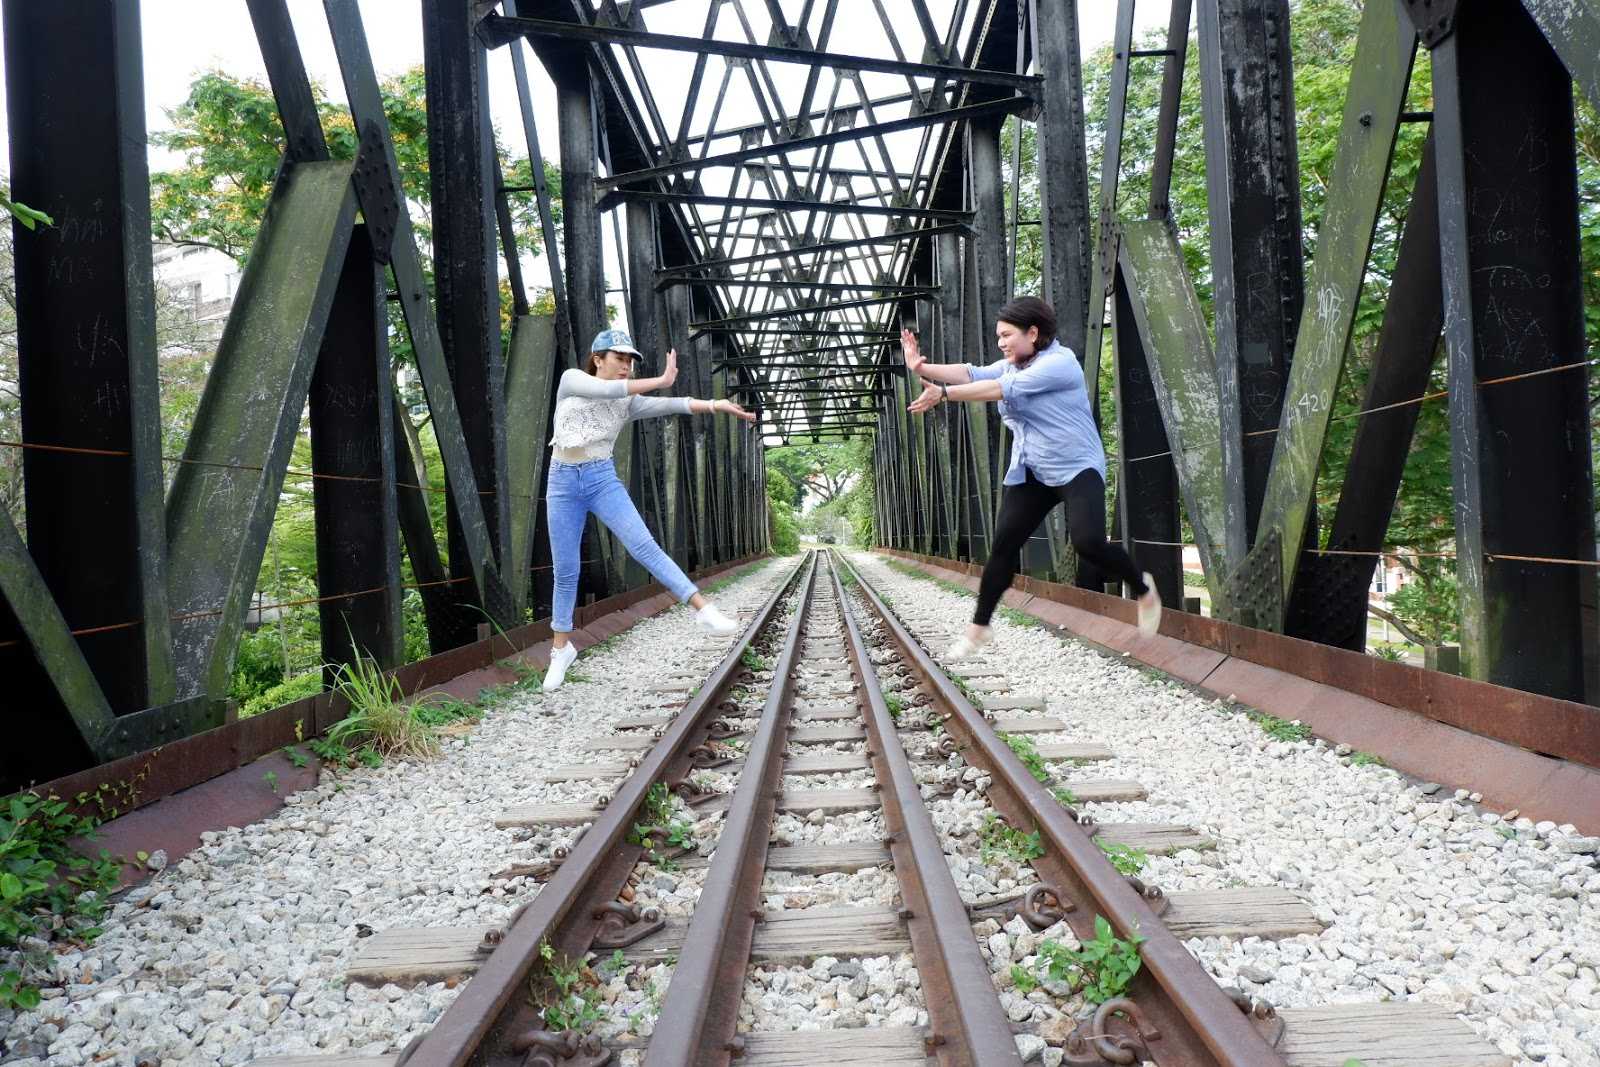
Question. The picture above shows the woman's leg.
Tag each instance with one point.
(611, 504)
(1022, 509)
(565, 512)
(1085, 498)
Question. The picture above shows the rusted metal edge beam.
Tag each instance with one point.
(797, 311)
(491, 1004)
(701, 1008)
(497, 30)
(941, 931)
(1196, 1019)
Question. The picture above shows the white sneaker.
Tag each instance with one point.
(1149, 608)
(560, 659)
(965, 646)
(713, 621)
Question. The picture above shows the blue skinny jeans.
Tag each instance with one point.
(572, 491)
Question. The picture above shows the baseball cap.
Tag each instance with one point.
(613, 341)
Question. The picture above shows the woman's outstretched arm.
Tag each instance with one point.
(917, 363)
(972, 392)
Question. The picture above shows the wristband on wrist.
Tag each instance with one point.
(944, 391)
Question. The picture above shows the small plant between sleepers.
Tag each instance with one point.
(578, 1003)
(1101, 968)
(997, 839)
(1125, 858)
(659, 827)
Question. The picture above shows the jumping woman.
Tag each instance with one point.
(592, 407)
(1056, 454)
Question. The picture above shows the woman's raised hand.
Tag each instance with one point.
(670, 373)
(931, 395)
(913, 354)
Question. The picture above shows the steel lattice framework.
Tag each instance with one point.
(825, 174)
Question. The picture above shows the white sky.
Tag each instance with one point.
(184, 37)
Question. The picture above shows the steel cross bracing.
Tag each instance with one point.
(1225, 398)
(799, 145)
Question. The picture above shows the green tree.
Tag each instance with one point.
(1323, 35)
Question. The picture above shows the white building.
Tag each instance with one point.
(203, 279)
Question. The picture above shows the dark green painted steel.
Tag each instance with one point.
(1572, 27)
(46, 631)
(85, 344)
(219, 512)
(1510, 255)
(461, 171)
(1379, 77)
(530, 381)
(1252, 180)
(366, 107)
(358, 536)
(1178, 347)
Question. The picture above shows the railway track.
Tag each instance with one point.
(828, 686)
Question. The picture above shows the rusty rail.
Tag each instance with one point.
(968, 1026)
(1184, 1017)
(701, 1011)
(490, 1022)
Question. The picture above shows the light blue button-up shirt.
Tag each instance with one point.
(1045, 405)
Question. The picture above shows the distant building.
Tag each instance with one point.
(202, 279)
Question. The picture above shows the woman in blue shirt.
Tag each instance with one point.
(1056, 455)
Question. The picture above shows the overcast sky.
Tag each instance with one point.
(184, 37)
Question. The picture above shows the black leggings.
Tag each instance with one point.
(1024, 507)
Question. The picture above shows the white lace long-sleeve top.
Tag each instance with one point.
(590, 413)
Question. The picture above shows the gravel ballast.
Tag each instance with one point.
(1427, 896)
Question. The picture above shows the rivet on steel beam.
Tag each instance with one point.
(905, 915)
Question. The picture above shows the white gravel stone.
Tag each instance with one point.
(238, 950)
(1426, 899)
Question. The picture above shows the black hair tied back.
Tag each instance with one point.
(1027, 311)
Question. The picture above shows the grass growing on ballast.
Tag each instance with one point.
(943, 583)
(379, 721)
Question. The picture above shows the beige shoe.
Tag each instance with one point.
(1149, 608)
(965, 646)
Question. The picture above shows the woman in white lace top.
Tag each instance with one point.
(592, 407)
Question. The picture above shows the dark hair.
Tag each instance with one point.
(1025, 311)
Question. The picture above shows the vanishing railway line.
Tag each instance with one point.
(852, 699)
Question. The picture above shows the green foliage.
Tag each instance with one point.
(1279, 729)
(754, 660)
(1102, 968)
(1015, 617)
(295, 756)
(47, 889)
(301, 685)
(997, 839)
(271, 778)
(1028, 753)
(577, 1002)
(443, 711)
(895, 705)
(1125, 858)
(1428, 604)
(29, 217)
(379, 724)
(659, 825)
(1388, 652)
(1366, 759)
(1064, 796)
(1023, 979)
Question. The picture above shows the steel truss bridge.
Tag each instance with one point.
(826, 173)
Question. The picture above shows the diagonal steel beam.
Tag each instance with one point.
(825, 247)
(498, 30)
(775, 205)
(992, 109)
